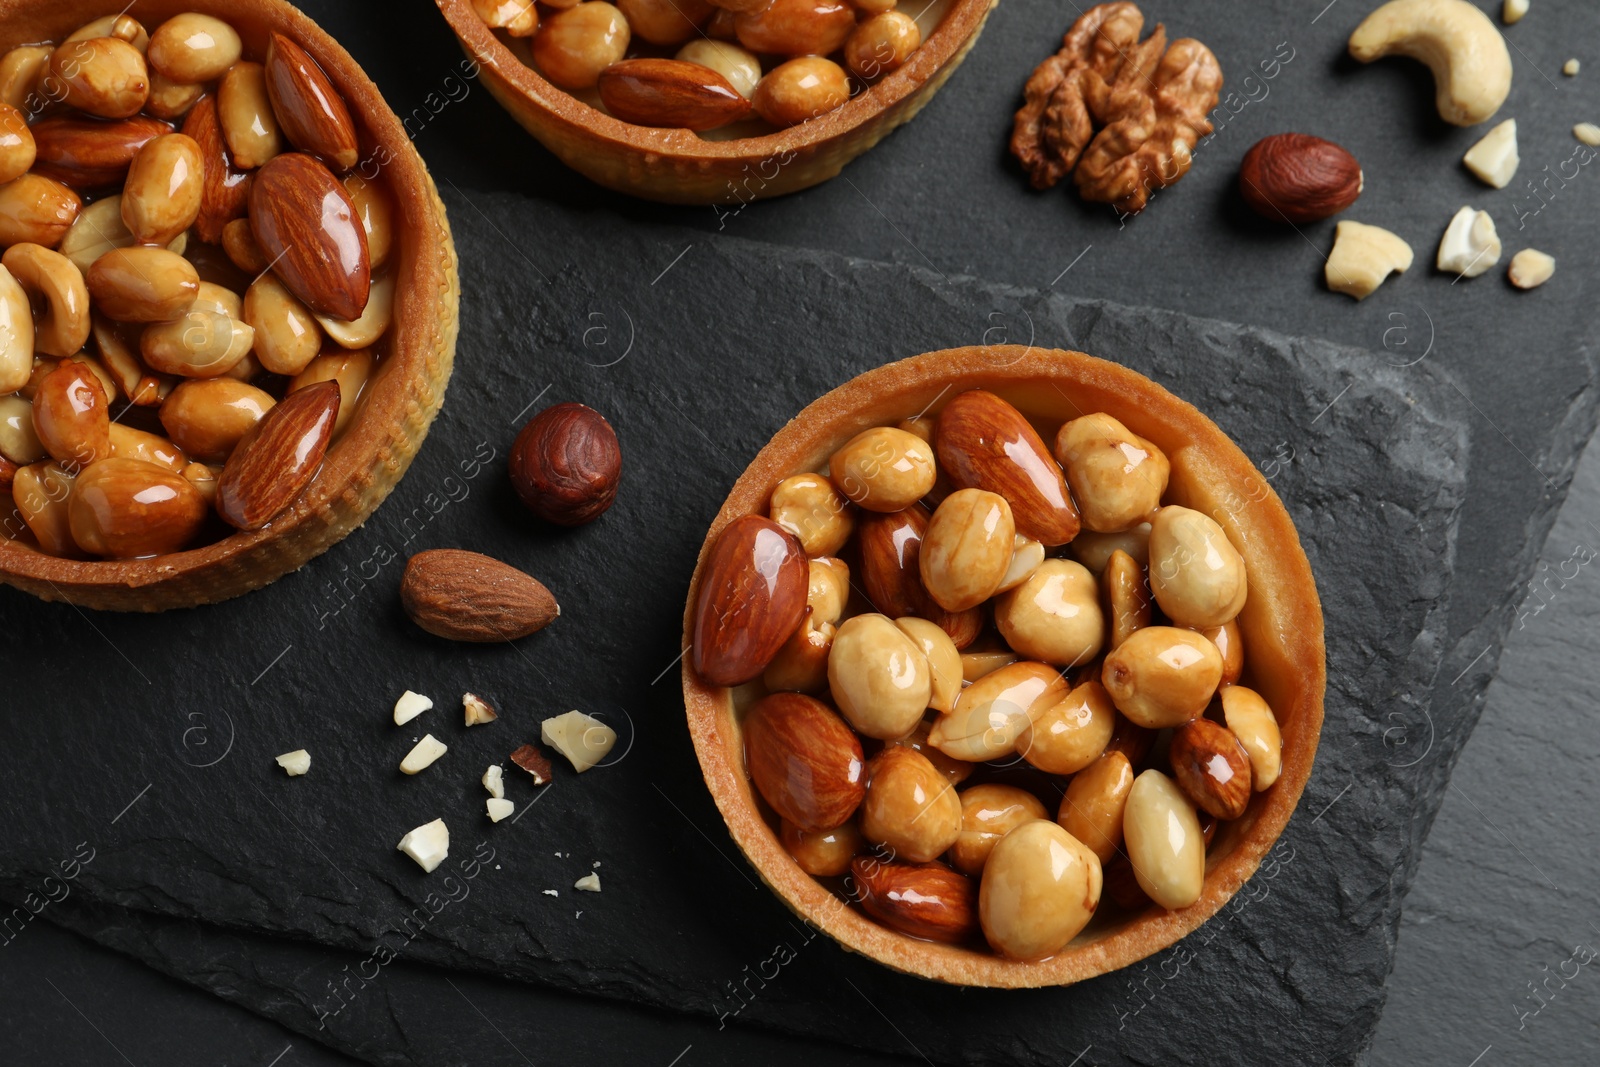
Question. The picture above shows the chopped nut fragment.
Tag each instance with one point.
(477, 709)
(583, 739)
(1571, 67)
(1362, 257)
(409, 706)
(1588, 133)
(536, 763)
(1531, 268)
(1513, 11)
(1494, 159)
(1470, 245)
(499, 808)
(494, 781)
(589, 883)
(295, 763)
(550, 893)
(423, 754)
(428, 844)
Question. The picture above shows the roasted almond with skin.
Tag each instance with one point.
(889, 546)
(926, 900)
(307, 228)
(225, 189)
(277, 459)
(309, 109)
(670, 93)
(752, 597)
(88, 154)
(1212, 767)
(804, 760)
(985, 443)
(467, 596)
(1296, 178)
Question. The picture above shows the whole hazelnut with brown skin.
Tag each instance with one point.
(566, 463)
(1294, 177)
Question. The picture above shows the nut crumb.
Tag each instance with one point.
(589, 883)
(295, 763)
(1571, 67)
(1513, 10)
(494, 781)
(536, 763)
(409, 706)
(478, 710)
(551, 893)
(1588, 133)
(422, 756)
(428, 844)
(499, 808)
(583, 739)
(1531, 268)
(1470, 245)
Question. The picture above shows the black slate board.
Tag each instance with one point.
(1362, 452)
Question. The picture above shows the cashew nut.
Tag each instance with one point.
(16, 335)
(1459, 43)
(51, 279)
(1362, 257)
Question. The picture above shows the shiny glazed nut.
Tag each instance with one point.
(1251, 720)
(55, 287)
(1054, 616)
(240, 244)
(202, 344)
(375, 208)
(1211, 767)
(122, 27)
(752, 596)
(350, 369)
(1093, 550)
(1117, 477)
(719, 27)
(985, 443)
(225, 189)
(891, 551)
(20, 72)
(910, 807)
(103, 76)
(988, 813)
(16, 335)
(822, 853)
(664, 22)
(566, 464)
(928, 901)
(1162, 676)
(804, 761)
(1092, 808)
(801, 664)
(879, 677)
(967, 549)
(670, 93)
(204, 479)
(883, 469)
(1197, 575)
(306, 225)
(1026, 555)
(992, 712)
(808, 506)
(213, 297)
(944, 662)
(18, 441)
(800, 89)
(287, 337)
(1164, 841)
(1040, 887)
(127, 508)
(957, 771)
(519, 18)
(17, 147)
(192, 47)
(245, 111)
(162, 196)
(975, 665)
(143, 284)
(71, 417)
(87, 153)
(129, 443)
(169, 99)
(739, 68)
(208, 417)
(575, 45)
(310, 110)
(1231, 644)
(796, 27)
(36, 209)
(41, 492)
(1127, 597)
(881, 44)
(874, 7)
(99, 229)
(1070, 734)
(275, 462)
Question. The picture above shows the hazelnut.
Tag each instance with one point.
(566, 463)
(944, 662)
(1117, 477)
(1294, 177)
(1070, 734)
(884, 469)
(1040, 887)
(910, 807)
(1094, 550)
(988, 813)
(1162, 676)
(808, 506)
(967, 549)
(879, 677)
(1055, 615)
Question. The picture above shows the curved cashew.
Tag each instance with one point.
(16, 334)
(51, 279)
(1459, 43)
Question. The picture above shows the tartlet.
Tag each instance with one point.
(1281, 624)
(399, 402)
(676, 166)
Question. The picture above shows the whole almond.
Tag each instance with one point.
(671, 93)
(310, 110)
(926, 900)
(277, 459)
(985, 443)
(1212, 767)
(467, 596)
(307, 228)
(88, 153)
(1294, 177)
(752, 597)
(890, 548)
(804, 760)
(225, 189)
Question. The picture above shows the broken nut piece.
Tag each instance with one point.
(1470, 245)
(583, 739)
(1494, 159)
(423, 754)
(295, 763)
(1513, 10)
(409, 706)
(589, 883)
(499, 808)
(1531, 268)
(1362, 257)
(428, 844)
(1588, 133)
(536, 763)
(478, 710)
(494, 781)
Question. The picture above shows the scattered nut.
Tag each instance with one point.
(1494, 159)
(423, 754)
(589, 883)
(1459, 43)
(532, 760)
(494, 781)
(566, 464)
(499, 808)
(428, 844)
(1470, 245)
(1571, 67)
(466, 596)
(1588, 133)
(1531, 268)
(583, 739)
(1362, 257)
(409, 706)
(1294, 177)
(1513, 10)
(295, 763)
(478, 710)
